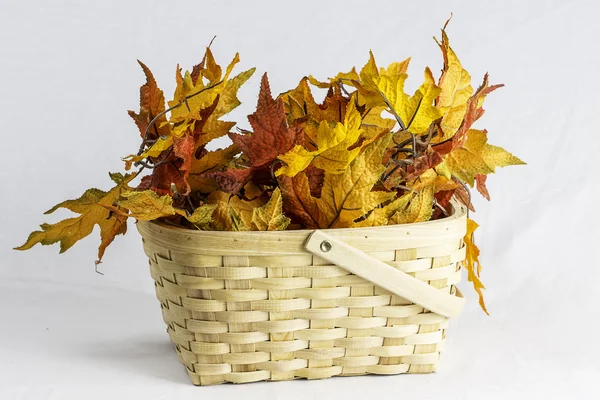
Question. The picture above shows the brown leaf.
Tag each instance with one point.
(272, 136)
(152, 103)
(481, 187)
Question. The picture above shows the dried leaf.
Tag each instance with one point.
(271, 136)
(270, 216)
(475, 157)
(147, 205)
(419, 209)
(202, 216)
(333, 141)
(471, 262)
(152, 103)
(345, 197)
(92, 207)
(456, 89)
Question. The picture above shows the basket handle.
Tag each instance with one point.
(383, 275)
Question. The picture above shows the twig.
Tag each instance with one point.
(342, 88)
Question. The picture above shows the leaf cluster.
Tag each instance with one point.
(368, 154)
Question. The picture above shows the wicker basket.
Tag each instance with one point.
(252, 306)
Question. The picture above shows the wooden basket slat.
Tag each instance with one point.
(250, 306)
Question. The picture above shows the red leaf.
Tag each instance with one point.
(232, 180)
(272, 136)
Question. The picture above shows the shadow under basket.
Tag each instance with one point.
(252, 306)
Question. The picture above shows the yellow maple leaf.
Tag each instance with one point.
(345, 197)
(475, 157)
(202, 216)
(333, 140)
(146, 205)
(231, 213)
(432, 178)
(270, 216)
(381, 216)
(471, 262)
(93, 209)
(155, 150)
(419, 209)
(415, 112)
(456, 89)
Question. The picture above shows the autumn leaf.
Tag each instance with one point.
(456, 89)
(202, 216)
(231, 213)
(419, 209)
(476, 156)
(152, 103)
(382, 215)
(147, 205)
(299, 102)
(333, 141)
(270, 216)
(345, 197)
(471, 262)
(271, 136)
(474, 111)
(92, 207)
(340, 77)
(211, 161)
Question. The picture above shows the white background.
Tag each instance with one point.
(68, 74)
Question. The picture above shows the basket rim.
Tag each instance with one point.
(268, 243)
(455, 209)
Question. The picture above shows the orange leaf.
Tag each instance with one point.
(471, 262)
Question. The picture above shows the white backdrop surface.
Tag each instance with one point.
(68, 74)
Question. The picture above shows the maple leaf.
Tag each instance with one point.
(373, 80)
(473, 112)
(343, 77)
(270, 216)
(471, 262)
(381, 216)
(200, 169)
(152, 103)
(456, 89)
(333, 141)
(202, 216)
(231, 213)
(147, 205)
(233, 180)
(345, 197)
(92, 207)
(299, 103)
(476, 157)
(419, 209)
(272, 136)
(431, 178)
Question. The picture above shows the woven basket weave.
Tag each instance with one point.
(252, 306)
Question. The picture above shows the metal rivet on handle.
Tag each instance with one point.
(326, 246)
